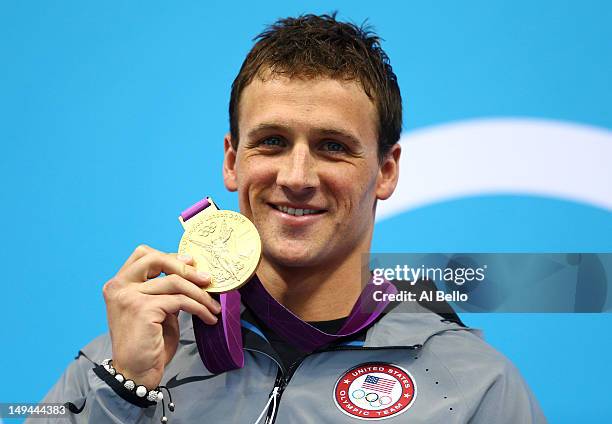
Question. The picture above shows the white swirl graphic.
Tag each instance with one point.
(503, 156)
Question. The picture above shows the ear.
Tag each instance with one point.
(388, 174)
(229, 164)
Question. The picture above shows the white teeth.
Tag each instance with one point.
(296, 212)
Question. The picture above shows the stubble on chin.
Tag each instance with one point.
(290, 253)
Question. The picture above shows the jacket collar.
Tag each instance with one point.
(410, 324)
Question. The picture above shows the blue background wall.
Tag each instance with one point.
(112, 117)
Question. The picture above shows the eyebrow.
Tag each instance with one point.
(322, 131)
(266, 127)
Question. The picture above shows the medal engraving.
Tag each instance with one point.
(226, 245)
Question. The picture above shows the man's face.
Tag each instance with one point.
(306, 168)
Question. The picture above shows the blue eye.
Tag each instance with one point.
(332, 146)
(272, 141)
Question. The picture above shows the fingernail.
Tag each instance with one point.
(203, 275)
(183, 257)
(217, 305)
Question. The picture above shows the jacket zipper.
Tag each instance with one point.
(279, 385)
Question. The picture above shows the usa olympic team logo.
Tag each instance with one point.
(375, 391)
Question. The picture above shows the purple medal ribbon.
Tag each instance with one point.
(195, 209)
(220, 345)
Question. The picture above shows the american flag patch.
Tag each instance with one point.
(379, 384)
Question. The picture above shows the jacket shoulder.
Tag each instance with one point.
(492, 388)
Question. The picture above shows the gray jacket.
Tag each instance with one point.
(457, 377)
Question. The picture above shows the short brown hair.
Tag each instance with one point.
(319, 45)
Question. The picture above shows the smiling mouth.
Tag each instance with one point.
(297, 211)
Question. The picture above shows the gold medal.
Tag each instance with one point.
(223, 243)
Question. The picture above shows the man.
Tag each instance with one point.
(315, 116)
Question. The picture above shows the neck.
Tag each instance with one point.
(316, 293)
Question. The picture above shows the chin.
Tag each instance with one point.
(291, 256)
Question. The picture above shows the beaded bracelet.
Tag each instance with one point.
(140, 391)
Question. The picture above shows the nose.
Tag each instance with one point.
(297, 173)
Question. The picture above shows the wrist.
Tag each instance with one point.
(132, 385)
(131, 390)
(144, 379)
